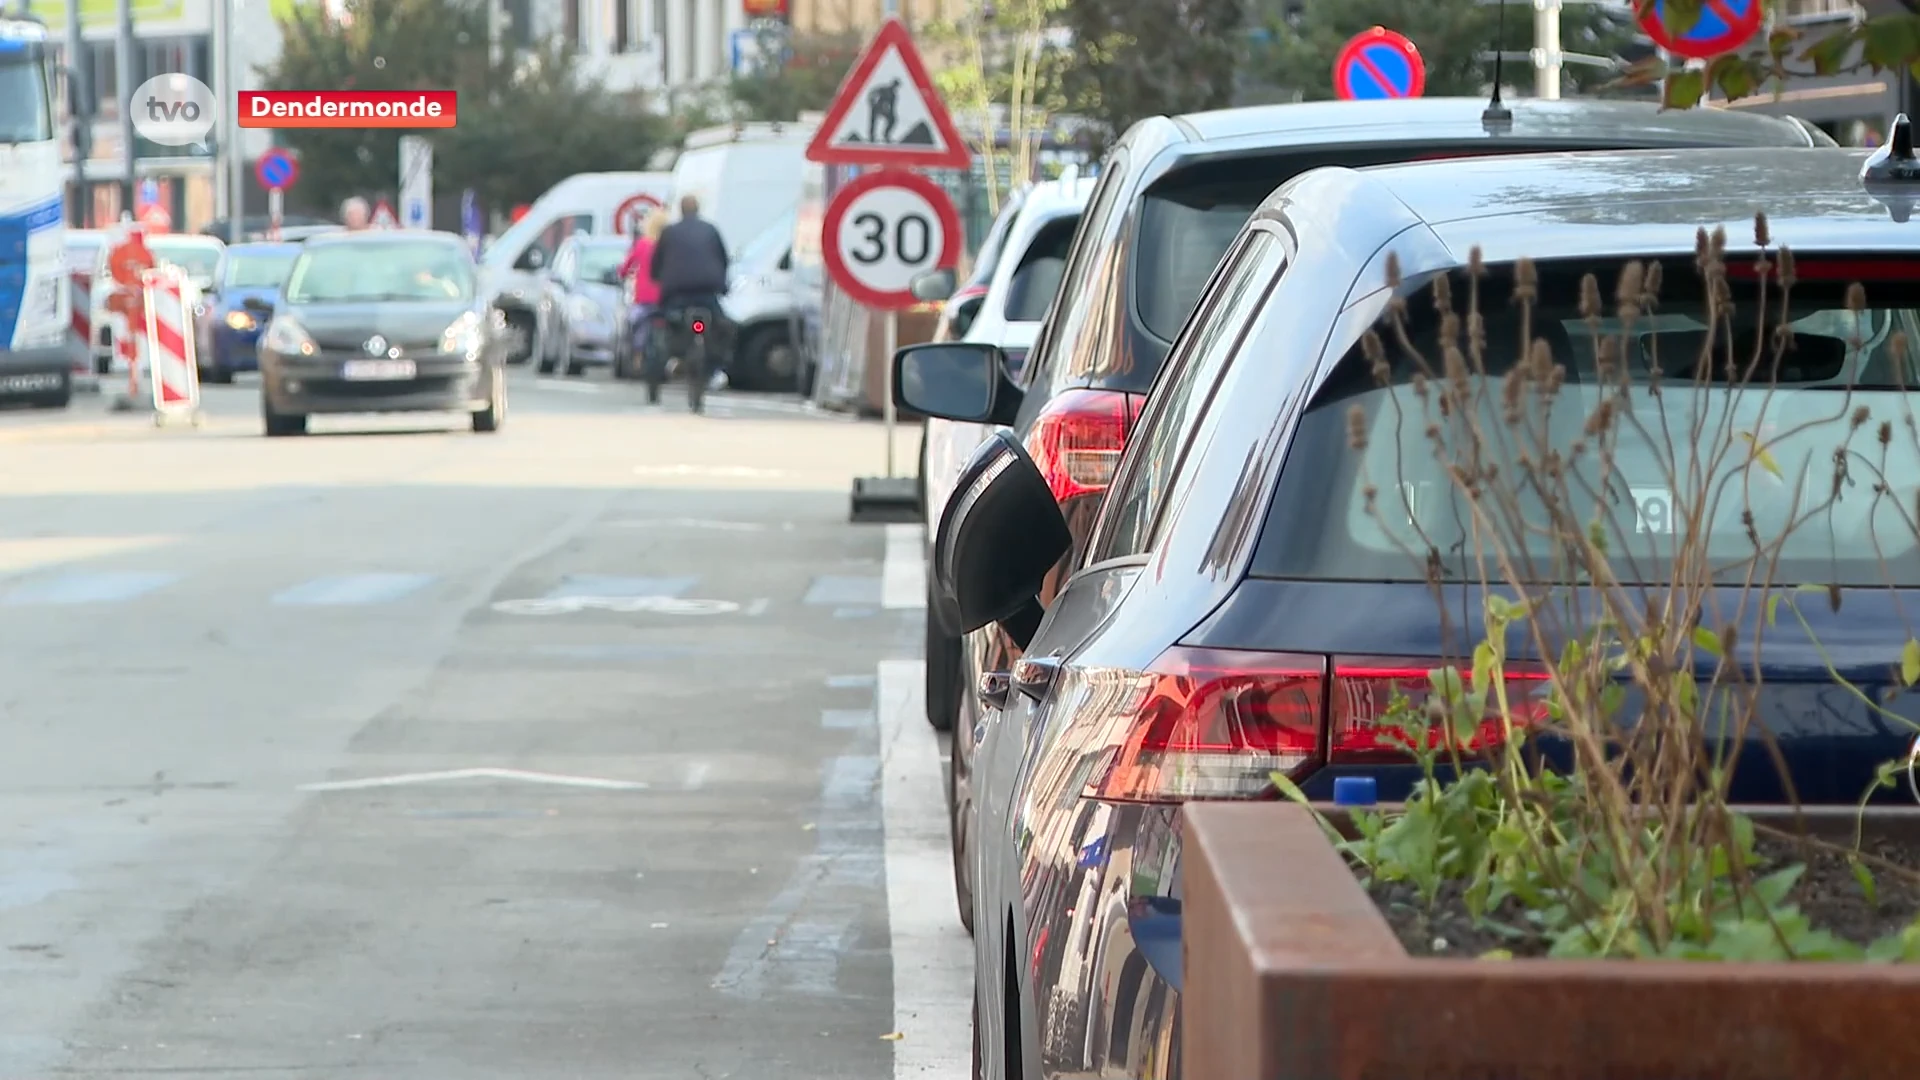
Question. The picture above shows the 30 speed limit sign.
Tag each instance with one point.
(883, 230)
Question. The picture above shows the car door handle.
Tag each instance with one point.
(1033, 675)
(994, 687)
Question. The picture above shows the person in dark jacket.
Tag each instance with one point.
(690, 266)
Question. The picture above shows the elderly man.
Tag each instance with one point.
(355, 214)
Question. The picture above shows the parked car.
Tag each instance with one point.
(1235, 610)
(1172, 195)
(1030, 259)
(596, 315)
(229, 318)
(962, 302)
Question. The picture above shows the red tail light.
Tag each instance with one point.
(1215, 723)
(1077, 439)
(699, 327)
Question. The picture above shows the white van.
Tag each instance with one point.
(602, 204)
(746, 176)
(760, 301)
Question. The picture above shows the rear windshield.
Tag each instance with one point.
(1670, 451)
(1031, 290)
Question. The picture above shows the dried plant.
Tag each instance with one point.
(1611, 539)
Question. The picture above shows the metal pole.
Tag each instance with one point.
(1546, 45)
(886, 382)
(123, 79)
(79, 112)
(233, 150)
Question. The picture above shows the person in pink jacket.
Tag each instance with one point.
(638, 268)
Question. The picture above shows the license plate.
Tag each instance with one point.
(377, 369)
(26, 384)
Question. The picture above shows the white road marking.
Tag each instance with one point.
(696, 775)
(86, 588)
(407, 779)
(692, 523)
(652, 605)
(571, 387)
(903, 575)
(932, 955)
(705, 470)
(759, 607)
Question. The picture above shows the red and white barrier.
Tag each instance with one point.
(80, 286)
(173, 368)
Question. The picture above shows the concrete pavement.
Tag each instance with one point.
(591, 748)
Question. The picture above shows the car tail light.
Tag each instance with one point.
(1364, 689)
(699, 327)
(1217, 723)
(1077, 439)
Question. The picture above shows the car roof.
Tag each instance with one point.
(1637, 202)
(1055, 197)
(265, 247)
(1579, 120)
(368, 236)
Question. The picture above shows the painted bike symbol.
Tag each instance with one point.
(654, 605)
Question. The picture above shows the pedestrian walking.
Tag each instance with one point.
(355, 214)
(638, 268)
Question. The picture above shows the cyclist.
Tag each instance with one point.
(638, 268)
(690, 265)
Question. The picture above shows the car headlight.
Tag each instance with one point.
(240, 320)
(286, 336)
(584, 309)
(463, 336)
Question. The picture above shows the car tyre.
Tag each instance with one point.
(217, 376)
(959, 834)
(575, 368)
(754, 367)
(489, 419)
(281, 425)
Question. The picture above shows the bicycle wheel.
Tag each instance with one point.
(697, 373)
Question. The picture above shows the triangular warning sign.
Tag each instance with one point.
(888, 113)
(383, 216)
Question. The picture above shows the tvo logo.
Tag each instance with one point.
(173, 110)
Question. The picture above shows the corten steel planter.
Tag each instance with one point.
(1292, 973)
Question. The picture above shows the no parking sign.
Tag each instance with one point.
(1723, 26)
(1378, 64)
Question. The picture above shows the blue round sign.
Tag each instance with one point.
(1379, 64)
(1723, 26)
(276, 170)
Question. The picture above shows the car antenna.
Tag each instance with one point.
(1497, 114)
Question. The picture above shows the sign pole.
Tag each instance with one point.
(890, 343)
(276, 202)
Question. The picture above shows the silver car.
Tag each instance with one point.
(596, 317)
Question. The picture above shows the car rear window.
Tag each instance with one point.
(1189, 216)
(1036, 280)
(1358, 436)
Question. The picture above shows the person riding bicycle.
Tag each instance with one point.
(638, 269)
(690, 265)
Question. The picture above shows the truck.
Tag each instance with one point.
(36, 306)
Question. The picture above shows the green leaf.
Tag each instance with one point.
(1734, 76)
(1680, 16)
(1910, 662)
(1760, 454)
(1814, 590)
(1497, 954)
(1773, 607)
(1864, 875)
(1772, 890)
(1447, 685)
(1285, 785)
(1889, 43)
(1708, 641)
(1828, 54)
(1483, 659)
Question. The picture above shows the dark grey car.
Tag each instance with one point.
(1234, 558)
(381, 322)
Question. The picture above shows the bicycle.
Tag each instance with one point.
(689, 328)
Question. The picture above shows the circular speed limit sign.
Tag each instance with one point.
(885, 229)
(631, 216)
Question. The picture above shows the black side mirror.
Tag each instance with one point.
(257, 305)
(1001, 535)
(933, 286)
(963, 381)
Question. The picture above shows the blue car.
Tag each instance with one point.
(235, 310)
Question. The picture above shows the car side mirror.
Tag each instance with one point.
(963, 381)
(535, 260)
(1000, 537)
(932, 286)
(257, 305)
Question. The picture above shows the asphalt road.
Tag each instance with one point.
(586, 749)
